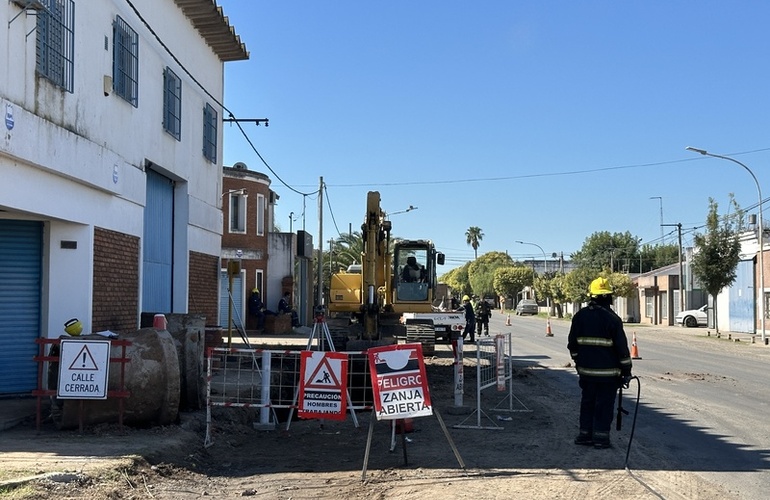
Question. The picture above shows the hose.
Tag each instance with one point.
(622, 412)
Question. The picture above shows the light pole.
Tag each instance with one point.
(547, 300)
(760, 237)
(661, 215)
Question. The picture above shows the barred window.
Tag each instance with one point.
(172, 104)
(210, 133)
(125, 61)
(55, 53)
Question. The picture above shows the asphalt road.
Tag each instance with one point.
(704, 400)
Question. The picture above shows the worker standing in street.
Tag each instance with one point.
(470, 319)
(599, 348)
(483, 311)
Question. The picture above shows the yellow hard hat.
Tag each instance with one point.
(465, 297)
(73, 327)
(254, 290)
(600, 286)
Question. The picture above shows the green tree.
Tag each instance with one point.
(509, 281)
(457, 280)
(602, 249)
(717, 252)
(654, 257)
(348, 248)
(481, 272)
(558, 292)
(473, 237)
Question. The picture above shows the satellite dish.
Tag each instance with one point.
(240, 165)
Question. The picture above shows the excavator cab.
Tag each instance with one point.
(414, 275)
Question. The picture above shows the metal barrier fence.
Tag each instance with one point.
(270, 380)
(494, 368)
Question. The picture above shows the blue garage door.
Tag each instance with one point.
(157, 245)
(21, 249)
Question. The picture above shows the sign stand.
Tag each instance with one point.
(320, 319)
(403, 442)
(401, 392)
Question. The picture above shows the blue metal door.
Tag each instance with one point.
(158, 244)
(21, 250)
(742, 299)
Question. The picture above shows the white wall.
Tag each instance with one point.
(77, 160)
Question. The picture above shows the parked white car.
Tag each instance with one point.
(693, 317)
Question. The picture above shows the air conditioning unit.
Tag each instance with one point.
(30, 4)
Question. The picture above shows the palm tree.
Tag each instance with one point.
(473, 237)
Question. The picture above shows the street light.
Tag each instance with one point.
(661, 216)
(401, 211)
(760, 237)
(547, 300)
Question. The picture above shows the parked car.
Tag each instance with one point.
(693, 317)
(526, 306)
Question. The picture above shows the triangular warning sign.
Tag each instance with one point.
(84, 361)
(323, 377)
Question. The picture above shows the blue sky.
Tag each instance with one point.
(540, 121)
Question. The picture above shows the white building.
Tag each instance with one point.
(110, 166)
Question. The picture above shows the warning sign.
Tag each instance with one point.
(323, 387)
(399, 382)
(83, 369)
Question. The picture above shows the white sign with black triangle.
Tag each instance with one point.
(84, 368)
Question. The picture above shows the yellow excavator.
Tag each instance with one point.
(395, 279)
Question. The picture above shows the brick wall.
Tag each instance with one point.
(116, 281)
(204, 287)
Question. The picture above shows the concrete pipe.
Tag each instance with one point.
(152, 377)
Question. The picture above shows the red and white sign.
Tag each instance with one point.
(398, 381)
(323, 388)
(500, 361)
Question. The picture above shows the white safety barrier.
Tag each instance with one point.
(494, 368)
(269, 380)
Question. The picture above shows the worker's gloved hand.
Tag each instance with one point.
(626, 381)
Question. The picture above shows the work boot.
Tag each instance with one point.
(602, 441)
(584, 439)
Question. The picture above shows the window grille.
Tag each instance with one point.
(125, 61)
(210, 133)
(55, 52)
(172, 104)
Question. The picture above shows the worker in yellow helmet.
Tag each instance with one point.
(599, 348)
(470, 318)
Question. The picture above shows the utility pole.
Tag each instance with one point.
(320, 287)
(681, 268)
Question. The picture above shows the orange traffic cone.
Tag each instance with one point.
(634, 349)
(548, 332)
(508, 320)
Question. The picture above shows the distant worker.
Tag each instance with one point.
(470, 319)
(483, 311)
(599, 348)
(412, 272)
(256, 308)
(284, 307)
